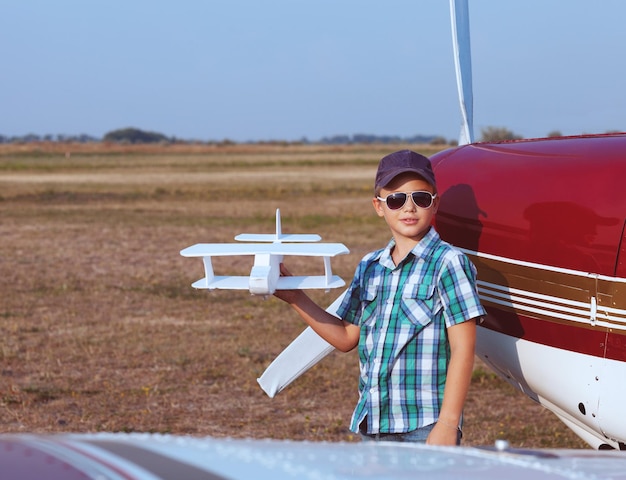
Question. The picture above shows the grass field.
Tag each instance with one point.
(100, 329)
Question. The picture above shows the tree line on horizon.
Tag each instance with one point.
(133, 135)
(139, 136)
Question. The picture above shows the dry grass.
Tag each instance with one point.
(100, 329)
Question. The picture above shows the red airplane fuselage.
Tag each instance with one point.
(543, 221)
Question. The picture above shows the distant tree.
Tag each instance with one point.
(84, 138)
(438, 141)
(363, 138)
(337, 139)
(31, 138)
(555, 133)
(496, 134)
(133, 135)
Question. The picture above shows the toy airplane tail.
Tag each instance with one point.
(301, 354)
(279, 236)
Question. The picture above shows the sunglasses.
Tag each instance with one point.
(421, 198)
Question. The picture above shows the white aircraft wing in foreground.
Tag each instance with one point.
(152, 457)
(265, 276)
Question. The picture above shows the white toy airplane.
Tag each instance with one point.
(265, 276)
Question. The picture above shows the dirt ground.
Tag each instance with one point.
(100, 329)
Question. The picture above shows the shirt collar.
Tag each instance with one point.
(419, 250)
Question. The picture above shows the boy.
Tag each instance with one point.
(410, 309)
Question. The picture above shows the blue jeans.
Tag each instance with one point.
(419, 435)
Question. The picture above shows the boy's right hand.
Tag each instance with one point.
(289, 296)
(341, 335)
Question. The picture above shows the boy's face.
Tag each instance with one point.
(410, 222)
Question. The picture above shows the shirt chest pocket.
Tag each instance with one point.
(420, 303)
(369, 303)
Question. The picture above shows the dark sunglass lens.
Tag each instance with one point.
(422, 199)
(396, 200)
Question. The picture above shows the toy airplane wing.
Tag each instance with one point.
(230, 249)
(265, 278)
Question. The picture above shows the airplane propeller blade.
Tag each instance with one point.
(308, 349)
(301, 354)
(459, 15)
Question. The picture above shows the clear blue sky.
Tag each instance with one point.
(288, 69)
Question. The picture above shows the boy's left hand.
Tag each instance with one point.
(442, 434)
(289, 296)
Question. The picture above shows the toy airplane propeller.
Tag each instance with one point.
(265, 276)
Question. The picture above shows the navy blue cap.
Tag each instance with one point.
(401, 162)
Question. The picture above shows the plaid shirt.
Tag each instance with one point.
(403, 312)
